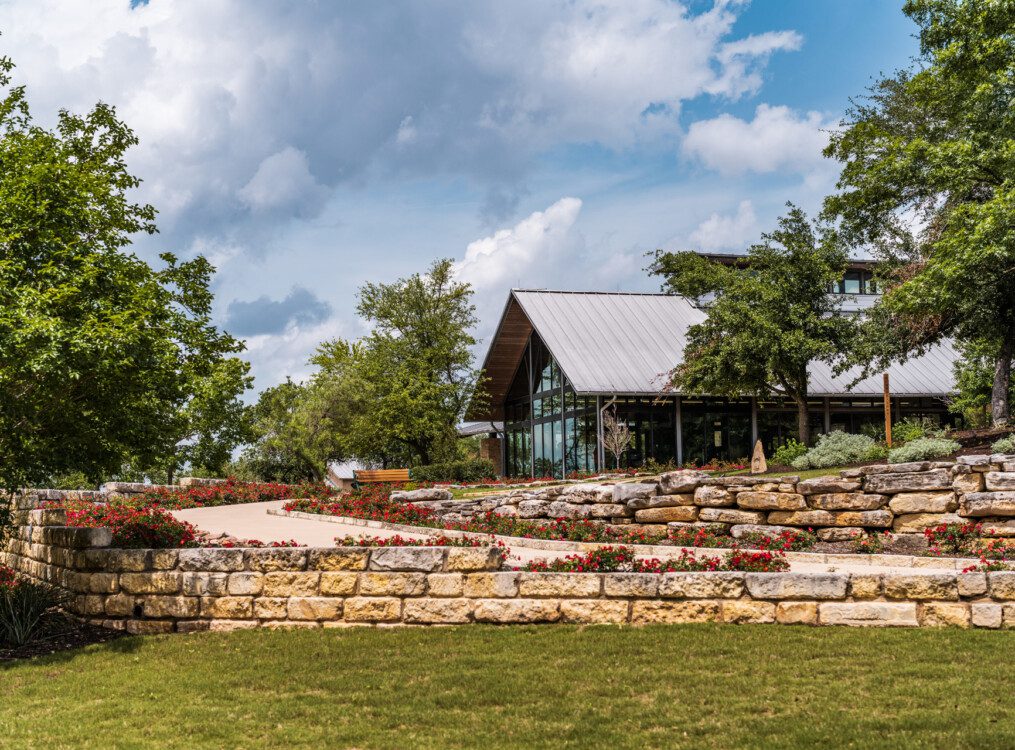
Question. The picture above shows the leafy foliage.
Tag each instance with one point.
(104, 361)
(914, 428)
(766, 321)
(928, 182)
(838, 448)
(136, 528)
(23, 605)
(472, 470)
(393, 398)
(922, 449)
(788, 452)
(1004, 445)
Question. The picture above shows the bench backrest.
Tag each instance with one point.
(381, 475)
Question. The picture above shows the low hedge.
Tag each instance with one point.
(471, 470)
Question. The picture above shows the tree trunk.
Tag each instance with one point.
(803, 422)
(1002, 381)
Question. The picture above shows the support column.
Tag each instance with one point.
(754, 423)
(828, 416)
(680, 435)
(563, 425)
(600, 452)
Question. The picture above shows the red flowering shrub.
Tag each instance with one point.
(374, 504)
(988, 566)
(716, 535)
(136, 528)
(621, 559)
(8, 580)
(401, 541)
(870, 544)
(955, 538)
(230, 492)
(755, 562)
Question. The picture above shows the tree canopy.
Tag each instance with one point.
(928, 184)
(767, 319)
(104, 360)
(394, 397)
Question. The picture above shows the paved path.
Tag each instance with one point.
(252, 521)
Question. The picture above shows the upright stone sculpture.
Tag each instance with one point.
(758, 463)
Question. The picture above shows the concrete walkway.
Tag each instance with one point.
(252, 521)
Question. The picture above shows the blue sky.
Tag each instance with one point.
(306, 148)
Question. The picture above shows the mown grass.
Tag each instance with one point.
(521, 687)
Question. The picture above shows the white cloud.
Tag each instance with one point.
(534, 244)
(726, 232)
(277, 356)
(225, 96)
(776, 139)
(283, 183)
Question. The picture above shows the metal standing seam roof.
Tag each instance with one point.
(626, 343)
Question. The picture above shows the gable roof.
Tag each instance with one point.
(626, 343)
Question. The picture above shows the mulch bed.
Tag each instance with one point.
(61, 635)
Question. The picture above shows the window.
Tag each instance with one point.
(856, 282)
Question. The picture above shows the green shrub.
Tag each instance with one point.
(471, 470)
(913, 428)
(838, 448)
(1004, 445)
(23, 604)
(921, 449)
(788, 452)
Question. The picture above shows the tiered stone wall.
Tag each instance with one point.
(905, 498)
(154, 591)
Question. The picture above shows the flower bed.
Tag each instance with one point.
(622, 559)
(151, 527)
(373, 504)
(230, 492)
(717, 535)
(136, 528)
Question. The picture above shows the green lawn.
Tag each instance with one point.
(520, 687)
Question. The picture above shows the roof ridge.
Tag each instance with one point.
(575, 291)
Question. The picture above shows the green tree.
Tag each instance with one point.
(768, 320)
(928, 183)
(418, 359)
(974, 381)
(277, 452)
(98, 350)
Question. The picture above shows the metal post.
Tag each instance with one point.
(680, 436)
(532, 426)
(828, 416)
(563, 424)
(600, 453)
(888, 413)
(754, 422)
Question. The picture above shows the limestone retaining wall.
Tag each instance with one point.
(146, 591)
(905, 498)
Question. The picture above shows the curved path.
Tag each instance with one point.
(253, 521)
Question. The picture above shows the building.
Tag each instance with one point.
(559, 359)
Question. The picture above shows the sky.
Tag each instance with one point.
(306, 148)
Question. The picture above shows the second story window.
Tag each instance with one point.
(856, 282)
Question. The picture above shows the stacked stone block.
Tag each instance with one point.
(186, 590)
(904, 498)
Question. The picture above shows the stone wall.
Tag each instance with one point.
(904, 498)
(154, 591)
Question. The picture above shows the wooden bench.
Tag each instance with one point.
(372, 476)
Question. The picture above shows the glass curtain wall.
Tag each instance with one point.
(551, 431)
